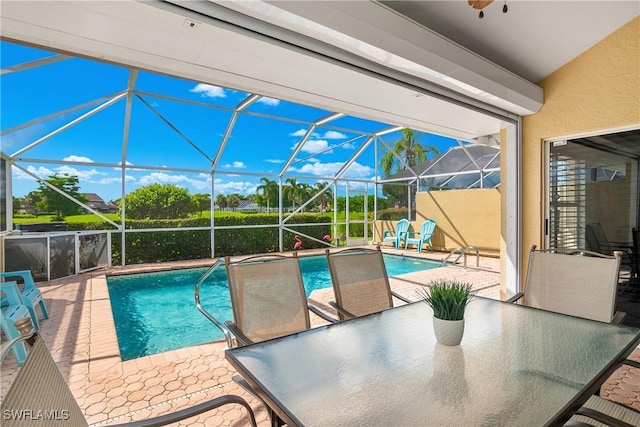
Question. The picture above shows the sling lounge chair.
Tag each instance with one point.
(360, 282)
(397, 236)
(582, 285)
(424, 236)
(40, 388)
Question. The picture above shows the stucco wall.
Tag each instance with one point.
(597, 92)
(463, 218)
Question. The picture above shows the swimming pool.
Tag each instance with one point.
(156, 312)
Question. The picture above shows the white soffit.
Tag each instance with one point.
(139, 35)
(378, 33)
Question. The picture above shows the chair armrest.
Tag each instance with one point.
(342, 311)
(322, 315)
(618, 317)
(240, 337)
(195, 410)
(515, 298)
(400, 297)
(387, 232)
(632, 363)
(601, 417)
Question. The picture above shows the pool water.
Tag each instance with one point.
(156, 312)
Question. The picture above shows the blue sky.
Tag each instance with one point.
(258, 146)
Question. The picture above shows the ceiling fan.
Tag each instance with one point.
(481, 4)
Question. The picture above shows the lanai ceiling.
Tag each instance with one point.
(359, 58)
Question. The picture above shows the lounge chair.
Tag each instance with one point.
(577, 283)
(13, 311)
(398, 235)
(30, 294)
(40, 388)
(424, 236)
(360, 282)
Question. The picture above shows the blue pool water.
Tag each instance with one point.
(156, 312)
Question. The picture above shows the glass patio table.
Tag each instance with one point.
(515, 366)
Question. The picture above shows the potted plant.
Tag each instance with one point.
(448, 299)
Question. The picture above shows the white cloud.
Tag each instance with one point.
(272, 102)
(313, 146)
(275, 161)
(299, 132)
(165, 178)
(230, 187)
(74, 158)
(356, 170)
(209, 91)
(236, 164)
(332, 134)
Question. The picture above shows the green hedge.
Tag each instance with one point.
(160, 246)
(393, 214)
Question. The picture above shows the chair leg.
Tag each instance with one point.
(43, 307)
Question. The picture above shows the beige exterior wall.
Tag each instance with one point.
(597, 92)
(463, 218)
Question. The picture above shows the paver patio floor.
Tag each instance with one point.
(81, 337)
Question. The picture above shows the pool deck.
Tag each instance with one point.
(81, 337)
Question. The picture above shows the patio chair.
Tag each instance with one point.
(598, 411)
(268, 298)
(360, 282)
(424, 236)
(13, 311)
(30, 294)
(40, 388)
(398, 235)
(582, 285)
(598, 241)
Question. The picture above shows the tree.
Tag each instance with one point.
(158, 201)
(324, 199)
(412, 152)
(267, 193)
(233, 201)
(221, 201)
(53, 201)
(201, 202)
(291, 191)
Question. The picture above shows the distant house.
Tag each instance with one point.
(97, 203)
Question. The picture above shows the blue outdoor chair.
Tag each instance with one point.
(12, 311)
(398, 235)
(424, 236)
(30, 294)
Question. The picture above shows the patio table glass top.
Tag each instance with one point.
(515, 366)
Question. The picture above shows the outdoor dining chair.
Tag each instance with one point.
(29, 293)
(423, 236)
(578, 283)
(40, 387)
(360, 282)
(398, 235)
(268, 298)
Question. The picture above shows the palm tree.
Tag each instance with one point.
(292, 191)
(323, 199)
(267, 191)
(409, 149)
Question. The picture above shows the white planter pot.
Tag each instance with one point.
(448, 332)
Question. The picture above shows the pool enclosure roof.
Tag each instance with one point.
(462, 166)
